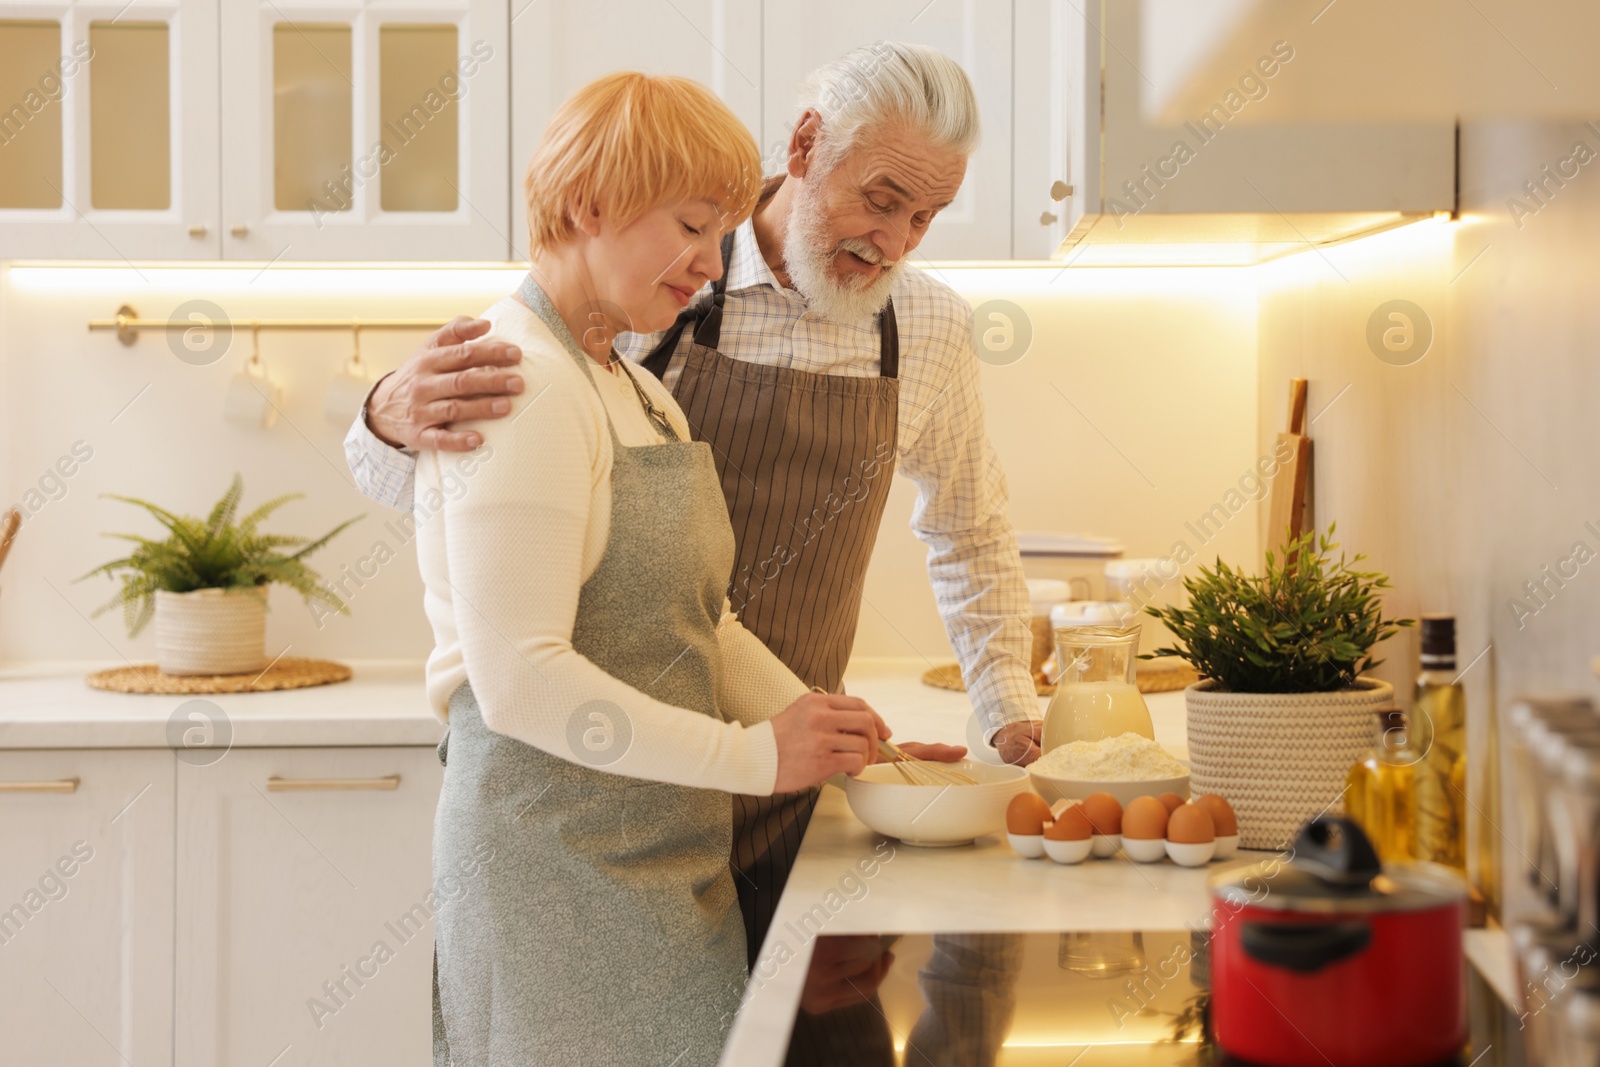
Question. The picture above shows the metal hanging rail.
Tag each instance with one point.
(128, 324)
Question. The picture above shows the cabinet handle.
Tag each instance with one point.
(1060, 191)
(320, 785)
(1047, 218)
(60, 785)
(240, 230)
(198, 230)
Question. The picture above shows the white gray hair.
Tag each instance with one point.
(890, 83)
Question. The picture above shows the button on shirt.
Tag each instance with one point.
(943, 448)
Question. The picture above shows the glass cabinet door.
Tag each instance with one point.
(31, 124)
(373, 132)
(108, 119)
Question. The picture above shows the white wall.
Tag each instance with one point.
(172, 446)
(1468, 472)
(1132, 414)
(1161, 363)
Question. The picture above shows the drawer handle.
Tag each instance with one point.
(60, 785)
(322, 785)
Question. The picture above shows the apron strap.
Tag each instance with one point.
(888, 342)
(707, 319)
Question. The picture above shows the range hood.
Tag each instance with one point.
(1366, 60)
(1208, 189)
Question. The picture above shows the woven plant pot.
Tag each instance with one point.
(1279, 758)
(210, 631)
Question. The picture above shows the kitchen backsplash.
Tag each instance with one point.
(1131, 414)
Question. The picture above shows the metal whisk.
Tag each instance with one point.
(920, 771)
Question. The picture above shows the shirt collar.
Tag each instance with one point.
(747, 269)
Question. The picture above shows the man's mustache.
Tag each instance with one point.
(866, 250)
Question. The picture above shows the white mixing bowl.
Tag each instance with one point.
(934, 815)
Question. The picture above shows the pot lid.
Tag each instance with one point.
(1333, 869)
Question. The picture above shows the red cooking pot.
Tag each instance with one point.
(1330, 959)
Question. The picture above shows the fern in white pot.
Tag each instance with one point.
(205, 583)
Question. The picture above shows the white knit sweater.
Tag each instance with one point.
(507, 536)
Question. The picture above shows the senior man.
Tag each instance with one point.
(816, 366)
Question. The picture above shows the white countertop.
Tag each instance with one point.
(981, 887)
(48, 705)
(984, 886)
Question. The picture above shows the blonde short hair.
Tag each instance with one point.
(629, 142)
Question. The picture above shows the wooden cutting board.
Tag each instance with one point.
(1287, 510)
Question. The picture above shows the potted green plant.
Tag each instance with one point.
(205, 583)
(1282, 708)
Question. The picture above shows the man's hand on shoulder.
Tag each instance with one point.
(446, 380)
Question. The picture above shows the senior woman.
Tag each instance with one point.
(603, 702)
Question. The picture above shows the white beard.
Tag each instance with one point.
(808, 256)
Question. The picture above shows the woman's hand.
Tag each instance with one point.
(821, 735)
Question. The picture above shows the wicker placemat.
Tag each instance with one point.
(286, 673)
(1150, 680)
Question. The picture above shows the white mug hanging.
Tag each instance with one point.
(348, 393)
(253, 398)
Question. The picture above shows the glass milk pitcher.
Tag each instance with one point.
(1096, 692)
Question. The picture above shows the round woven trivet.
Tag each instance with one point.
(1150, 680)
(286, 673)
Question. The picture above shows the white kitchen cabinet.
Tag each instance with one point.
(108, 130)
(304, 907)
(1211, 188)
(364, 131)
(558, 46)
(978, 34)
(400, 130)
(86, 884)
(1375, 60)
(1052, 144)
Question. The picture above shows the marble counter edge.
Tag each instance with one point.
(49, 706)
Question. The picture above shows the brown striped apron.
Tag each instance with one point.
(805, 461)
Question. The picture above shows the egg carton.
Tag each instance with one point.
(1074, 830)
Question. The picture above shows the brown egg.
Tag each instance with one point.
(1190, 824)
(1145, 819)
(1105, 813)
(1172, 801)
(1027, 814)
(1222, 816)
(1071, 825)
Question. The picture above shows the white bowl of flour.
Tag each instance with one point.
(1126, 766)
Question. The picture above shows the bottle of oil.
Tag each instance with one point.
(1380, 795)
(1439, 720)
(1487, 816)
